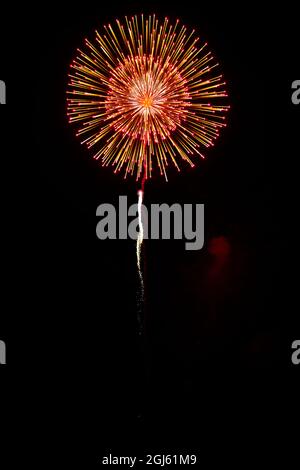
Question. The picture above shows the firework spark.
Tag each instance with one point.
(145, 94)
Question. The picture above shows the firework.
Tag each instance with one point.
(146, 93)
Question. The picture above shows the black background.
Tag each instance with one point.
(213, 374)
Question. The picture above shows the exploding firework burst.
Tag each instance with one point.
(146, 93)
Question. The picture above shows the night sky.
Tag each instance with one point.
(219, 321)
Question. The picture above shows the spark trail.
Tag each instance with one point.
(139, 251)
(140, 238)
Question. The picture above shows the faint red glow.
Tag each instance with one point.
(219, 247)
